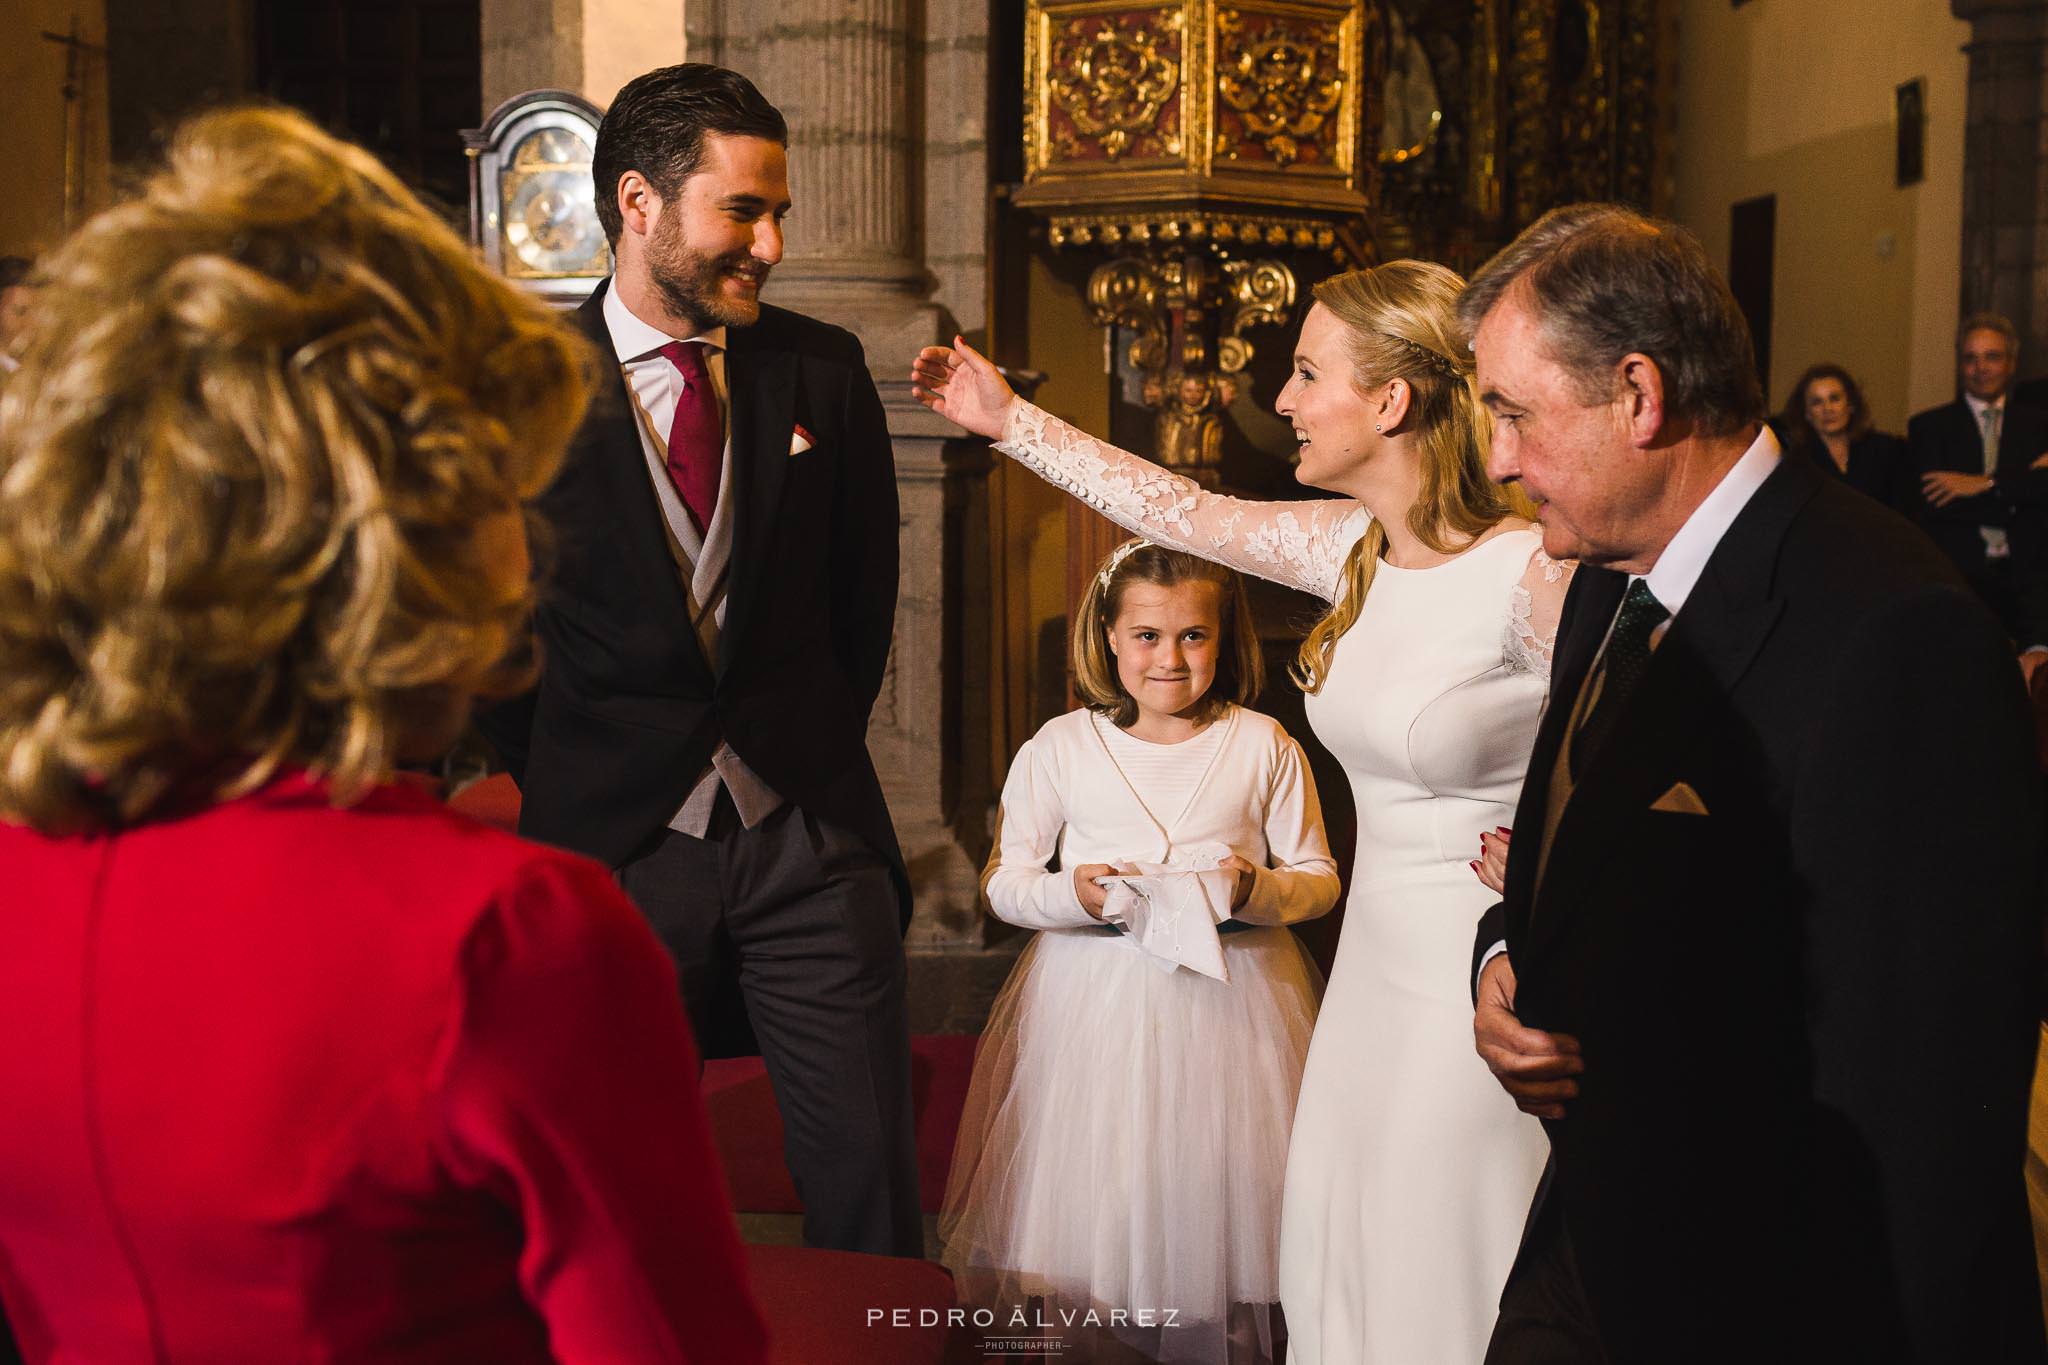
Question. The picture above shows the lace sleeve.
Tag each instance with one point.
(1301, 544)
(1534, 605)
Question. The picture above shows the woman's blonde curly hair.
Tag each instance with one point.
(269, 416)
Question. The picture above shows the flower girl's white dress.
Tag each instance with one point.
(1125, 1134)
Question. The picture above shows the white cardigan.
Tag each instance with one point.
(1066, 798)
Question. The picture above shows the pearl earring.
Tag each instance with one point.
(1375, 426)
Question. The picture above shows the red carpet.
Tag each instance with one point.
(842, 1308)
(748, 1129)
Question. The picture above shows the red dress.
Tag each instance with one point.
(285, 1083)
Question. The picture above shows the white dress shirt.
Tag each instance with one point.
(1672, 578)
(702, 558)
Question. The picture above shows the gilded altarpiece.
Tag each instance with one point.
(1539, 103)
(1220, 157)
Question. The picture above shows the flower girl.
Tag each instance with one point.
(1120, 1158)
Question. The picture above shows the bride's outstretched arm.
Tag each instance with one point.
(1301, 544)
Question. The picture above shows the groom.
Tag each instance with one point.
(716, 632)
(1767, 957)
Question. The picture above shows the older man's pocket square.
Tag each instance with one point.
(800, 440)
(1680, 800)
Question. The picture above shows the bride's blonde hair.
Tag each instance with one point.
(1401, 322)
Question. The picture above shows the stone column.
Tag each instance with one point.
(842, 73)
(2005, 169)
(529, 46)
(589, 46)
(860, 84)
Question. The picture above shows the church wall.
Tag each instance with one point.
(32, 73)
(1057, 336)
(1795, 98)
(622, 38)
(533, 45)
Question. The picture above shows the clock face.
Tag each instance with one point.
(549, 220)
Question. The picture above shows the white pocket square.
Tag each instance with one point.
(1680, 800)
(799, 441)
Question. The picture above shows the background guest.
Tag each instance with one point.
(1982, 500)
(320, 1070)
(1826, 420)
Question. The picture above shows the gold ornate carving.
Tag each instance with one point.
(1483, 189)
(1264, 294)
(1187, 433)
(1223, 231)
(1167, 302)
(1582, 103)
(1280, 78)
(1530, 127)
(1128, 293)
(1112, 82)
(1635, 134)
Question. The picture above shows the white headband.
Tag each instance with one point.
(1116, 557)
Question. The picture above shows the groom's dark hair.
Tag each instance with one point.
(1602, 282)
(656, 126)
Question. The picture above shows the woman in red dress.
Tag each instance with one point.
(298, 1065)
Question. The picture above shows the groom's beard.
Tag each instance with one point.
(691, 282)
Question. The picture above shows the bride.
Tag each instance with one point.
(1410, 1171)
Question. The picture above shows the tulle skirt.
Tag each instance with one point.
(1122, 1151)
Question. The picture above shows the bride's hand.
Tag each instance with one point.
(1491, 866)
(960, 385)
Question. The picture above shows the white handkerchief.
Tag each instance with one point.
(1171, 913)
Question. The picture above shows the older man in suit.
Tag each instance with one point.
(1769, 946)
(1985, 498)
(715, 636)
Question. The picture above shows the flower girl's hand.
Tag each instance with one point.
(1092, 897)
(961, 386)
(1492, 864)
(1247, 877)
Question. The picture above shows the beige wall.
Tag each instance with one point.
(32, 75)
(1794, 98)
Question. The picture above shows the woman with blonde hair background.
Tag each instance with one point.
(1409, 1172)
(304, 1065)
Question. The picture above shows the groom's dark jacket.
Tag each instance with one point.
(1808, 1014)
(629, 710)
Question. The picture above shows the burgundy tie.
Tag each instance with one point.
(696, 439)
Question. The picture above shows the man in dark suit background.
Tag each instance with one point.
(1986, 505)
(1767, 957)
(715, 634)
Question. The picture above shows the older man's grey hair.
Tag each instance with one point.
(1604, 282)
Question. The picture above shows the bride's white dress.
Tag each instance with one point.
(1410, 1171)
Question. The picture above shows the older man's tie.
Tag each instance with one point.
(1622, 666)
